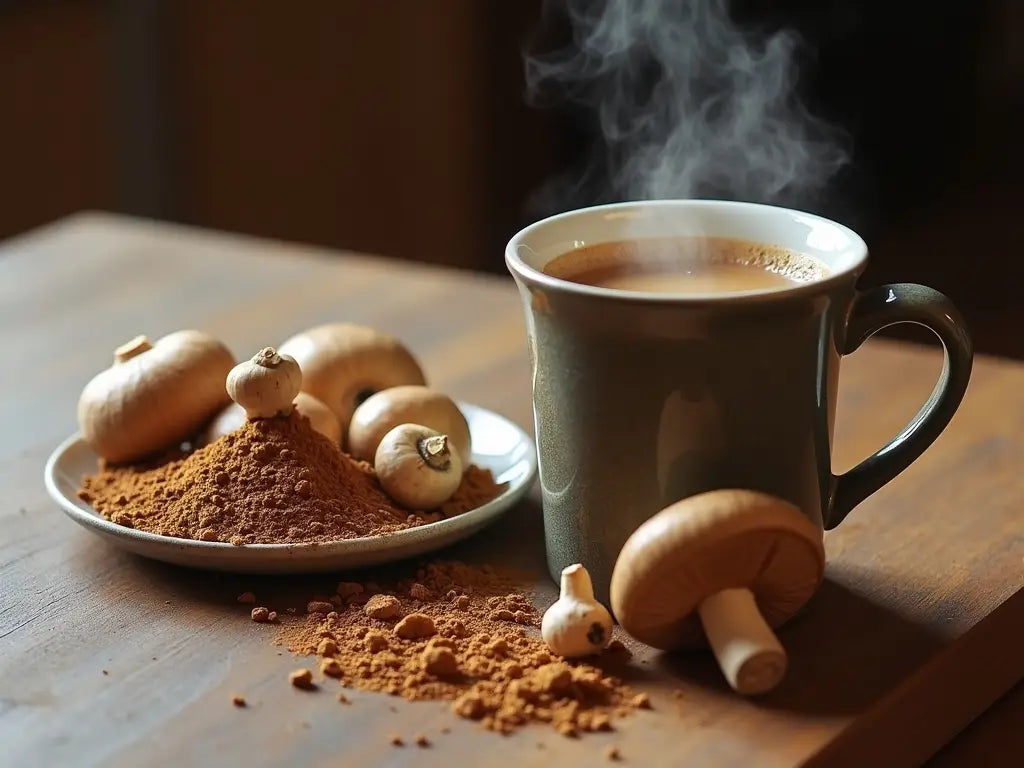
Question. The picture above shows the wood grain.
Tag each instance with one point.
(913, 634)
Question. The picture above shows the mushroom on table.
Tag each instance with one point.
(720, 568)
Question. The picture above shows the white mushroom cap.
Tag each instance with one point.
(342, 361)
(708, 543)
(406, 404)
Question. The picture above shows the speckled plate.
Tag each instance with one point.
(498, 444)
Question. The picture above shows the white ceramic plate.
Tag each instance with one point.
(498, 445)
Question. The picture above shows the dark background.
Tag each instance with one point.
(401, 128)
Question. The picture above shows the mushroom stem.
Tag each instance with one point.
(434, 451)
(576, 583)
(751, 657)
(130, 349)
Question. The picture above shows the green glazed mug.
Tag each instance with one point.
(642, 399)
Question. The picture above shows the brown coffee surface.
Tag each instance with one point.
(686, 265)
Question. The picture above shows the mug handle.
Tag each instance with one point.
(872, 311)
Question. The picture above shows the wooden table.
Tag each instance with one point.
(106, 658)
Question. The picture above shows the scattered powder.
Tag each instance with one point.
(301, 678)
(270, 481)
(260, 614)
(238, 700)
(474, 644)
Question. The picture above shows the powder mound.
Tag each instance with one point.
(493, 670)
(271, 481)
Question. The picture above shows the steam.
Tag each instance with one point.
(688, 104)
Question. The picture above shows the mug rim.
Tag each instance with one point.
(519, 268)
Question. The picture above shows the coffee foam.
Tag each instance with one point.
(689, 253)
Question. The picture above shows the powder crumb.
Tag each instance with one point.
(330, 668)
(319, 606)
(343, 698)
(445, 729)
(272, 616)
(382, 607)
(238, 700)
(422, 740)
(415, 626)
(327, 647)
(611, 753)
(567, 729)
(641, 701)
(261, 614)
(395, 740)
(440, 662)
(301, 678)
(105, 672)
(375, 641)
(246, 598)
(418, 592)
(678, 693)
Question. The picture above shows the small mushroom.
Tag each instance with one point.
(155, 395)
(576, 624)
(403, 405)
(265, 386)
(726, 565)
(416, 467)
(343, 364)
(321, 418)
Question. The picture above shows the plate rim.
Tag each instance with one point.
(91, 519)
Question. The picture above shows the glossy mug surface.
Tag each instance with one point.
(644, 397)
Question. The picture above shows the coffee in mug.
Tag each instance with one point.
(686, 265)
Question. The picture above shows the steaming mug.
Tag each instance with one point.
(641, 399)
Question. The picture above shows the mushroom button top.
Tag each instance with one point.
(708, 543)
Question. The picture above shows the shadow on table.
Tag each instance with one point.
(845, 652)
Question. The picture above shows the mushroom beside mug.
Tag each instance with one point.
(644, 397)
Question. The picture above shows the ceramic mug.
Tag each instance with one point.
(641, 399)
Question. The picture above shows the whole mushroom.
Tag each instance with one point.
(321, 418)
(343, 363)
(156, 395)
(576, 624)
(416, 467)
(726, 567)
(266, 385)
(412, 403)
